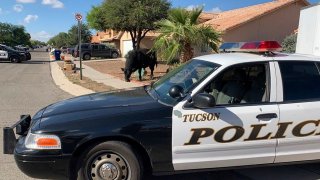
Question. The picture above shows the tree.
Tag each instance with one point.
(37, 43)
(135, 17)
(73, 34)
(60, 40)
(71, 38)
(181, 32)
(289, 43)
(13, 35)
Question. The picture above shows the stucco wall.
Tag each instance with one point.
(274, 26)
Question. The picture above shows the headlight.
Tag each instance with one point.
(21, 53)
(42, 141)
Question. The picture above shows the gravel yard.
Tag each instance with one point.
(85, 82)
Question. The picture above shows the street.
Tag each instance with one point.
(27, 87)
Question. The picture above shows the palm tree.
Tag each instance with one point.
(180, 32)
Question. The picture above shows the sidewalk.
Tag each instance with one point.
(63, 83)
(105, 78)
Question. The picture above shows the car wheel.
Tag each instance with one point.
(15, 59)
(110, 160)
(86, 57)
(114, 55)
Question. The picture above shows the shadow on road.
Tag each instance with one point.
(216, 175)
(35, 62)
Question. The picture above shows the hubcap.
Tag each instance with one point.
(109, 166)
(108, 171)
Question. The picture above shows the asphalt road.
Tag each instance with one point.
(27, 87)
(24, 89)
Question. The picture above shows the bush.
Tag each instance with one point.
(289, 44)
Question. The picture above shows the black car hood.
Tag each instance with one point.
(122, 98)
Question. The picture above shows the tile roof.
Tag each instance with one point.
(206, 16)
(229, 19)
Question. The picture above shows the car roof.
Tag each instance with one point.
(226, 59)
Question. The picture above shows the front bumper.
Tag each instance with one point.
(42, 164)
(9, 138)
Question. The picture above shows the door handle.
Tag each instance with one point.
(267, 116)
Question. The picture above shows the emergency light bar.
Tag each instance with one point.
(259, 46)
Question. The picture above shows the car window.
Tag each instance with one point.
(103, 47)
(84, 46)
(240, 84)
(301, 80)
(186, 76)
(95, 47)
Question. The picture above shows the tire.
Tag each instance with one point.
(96, 162)
(15, 59)
(114, 55)
(86, 57)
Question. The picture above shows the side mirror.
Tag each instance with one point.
(203, 100)
(176, 91)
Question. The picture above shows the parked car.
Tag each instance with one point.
(222, 110)
(70, 50)
(89, 50)
(10, 54)
(27, 53)
(23, 47)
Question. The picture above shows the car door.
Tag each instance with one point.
(229, 134)
(3, 54)
(300, 111)
(105, 51)
(96, 52)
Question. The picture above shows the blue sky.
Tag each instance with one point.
(46, 18)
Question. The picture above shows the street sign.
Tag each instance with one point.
(78, 17)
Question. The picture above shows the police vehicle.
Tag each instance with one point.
(246, 108)
(9, 54)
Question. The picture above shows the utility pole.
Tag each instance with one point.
(79, 18)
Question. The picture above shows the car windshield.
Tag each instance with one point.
(186, 76)
(9, 48)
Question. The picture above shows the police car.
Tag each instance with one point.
(246, 108)
(9, 54)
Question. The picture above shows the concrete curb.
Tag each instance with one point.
(63, 82)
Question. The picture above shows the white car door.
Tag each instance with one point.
(300, 110)
(3, 54)
(226, 135)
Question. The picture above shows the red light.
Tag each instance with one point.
(263, 46)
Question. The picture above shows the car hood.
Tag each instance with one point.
(121, 98)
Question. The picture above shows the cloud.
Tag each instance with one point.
(29, 18)
(53, 3)
(26, 1)
(41, 36)
(18, 7)
(191, 7)
(215, 10)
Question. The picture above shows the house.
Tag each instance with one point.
(268, 21)
(122, 40)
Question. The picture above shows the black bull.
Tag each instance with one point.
(138, 59)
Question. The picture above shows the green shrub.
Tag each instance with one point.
(289, 44)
